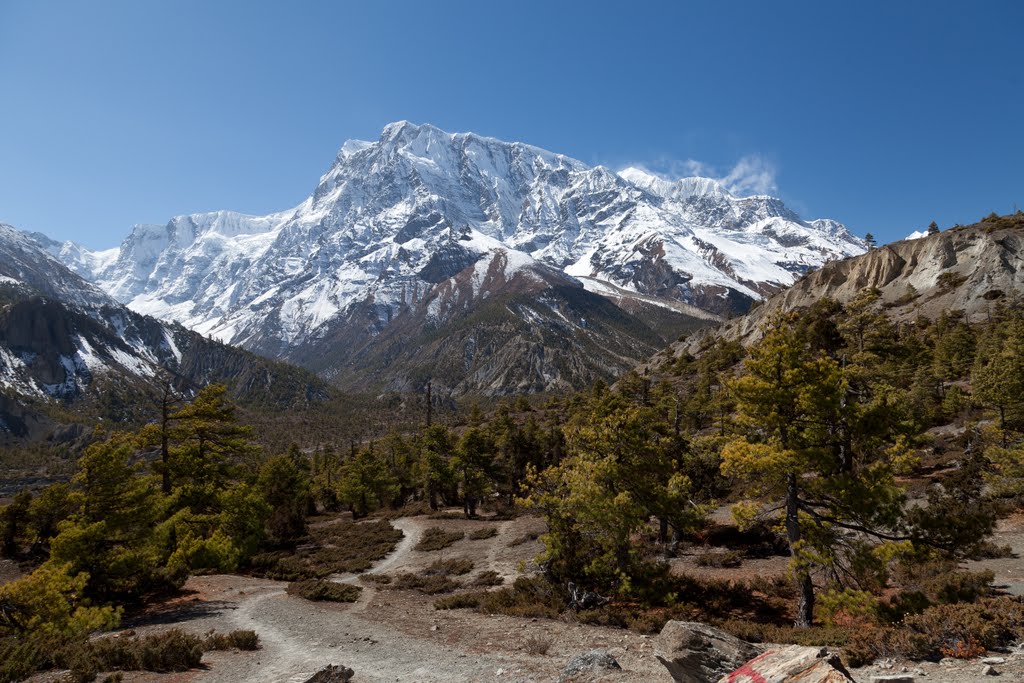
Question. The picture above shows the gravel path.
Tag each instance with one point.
(390, 635)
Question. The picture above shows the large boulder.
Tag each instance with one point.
(697, 653)
(790, 664)
(586, 665)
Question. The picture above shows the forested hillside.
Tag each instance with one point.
(873, 454)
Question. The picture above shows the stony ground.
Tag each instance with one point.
(391, 635)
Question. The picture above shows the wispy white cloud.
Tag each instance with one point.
(752, 174)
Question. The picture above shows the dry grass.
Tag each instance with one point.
(537, 646)
(436, 538)
(428, 584)
(326, 591)
(456, 566)
(525, 538)
(483, 533)
(719, 559)
(487, 578)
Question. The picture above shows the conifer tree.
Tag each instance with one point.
(802, 448)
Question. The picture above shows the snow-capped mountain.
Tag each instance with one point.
(62, 340)
(424, 219)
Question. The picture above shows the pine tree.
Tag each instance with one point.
(110, 535)
(473, 463)
(808, 445)
(933, 228)
(209, 448)
(284, 486)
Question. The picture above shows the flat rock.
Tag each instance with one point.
(696, 653)
(791, 664)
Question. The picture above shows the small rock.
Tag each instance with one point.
(898, 678)
(989, 670)
(993, 660)
(434, 627)
(588, 662)
(332, 673)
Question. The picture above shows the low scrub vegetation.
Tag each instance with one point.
(328, 591)
(525, 538)
(487, 578)
(430, 584)
(961, 630)
(341, 547)
(170, 651)
(436, 538)
(722, 560)
(535, 645)
(483, 533)
(456, 566)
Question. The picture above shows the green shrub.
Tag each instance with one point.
(320, 590)
(173, 650)
(436, 538)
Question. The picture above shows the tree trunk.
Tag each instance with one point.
(165, 447)
(805, 587)
(662, 530)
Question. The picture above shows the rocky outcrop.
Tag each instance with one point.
(792, 664)
(695, 653)
(970, 269)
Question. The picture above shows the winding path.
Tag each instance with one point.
(299, 637)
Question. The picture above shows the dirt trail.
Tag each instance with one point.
(299, 637)
(396, 635)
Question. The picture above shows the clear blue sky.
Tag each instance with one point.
(884, 115)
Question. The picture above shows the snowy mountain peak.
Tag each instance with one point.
(679, 190)
(410, 217)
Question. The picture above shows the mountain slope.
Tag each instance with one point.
(398, 221)
(968, 269)
(66, 345)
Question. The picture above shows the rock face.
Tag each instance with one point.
(792, 664)
(423, 229)
(695, 653)
(588, 664)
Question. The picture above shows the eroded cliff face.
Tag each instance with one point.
(970, 269)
